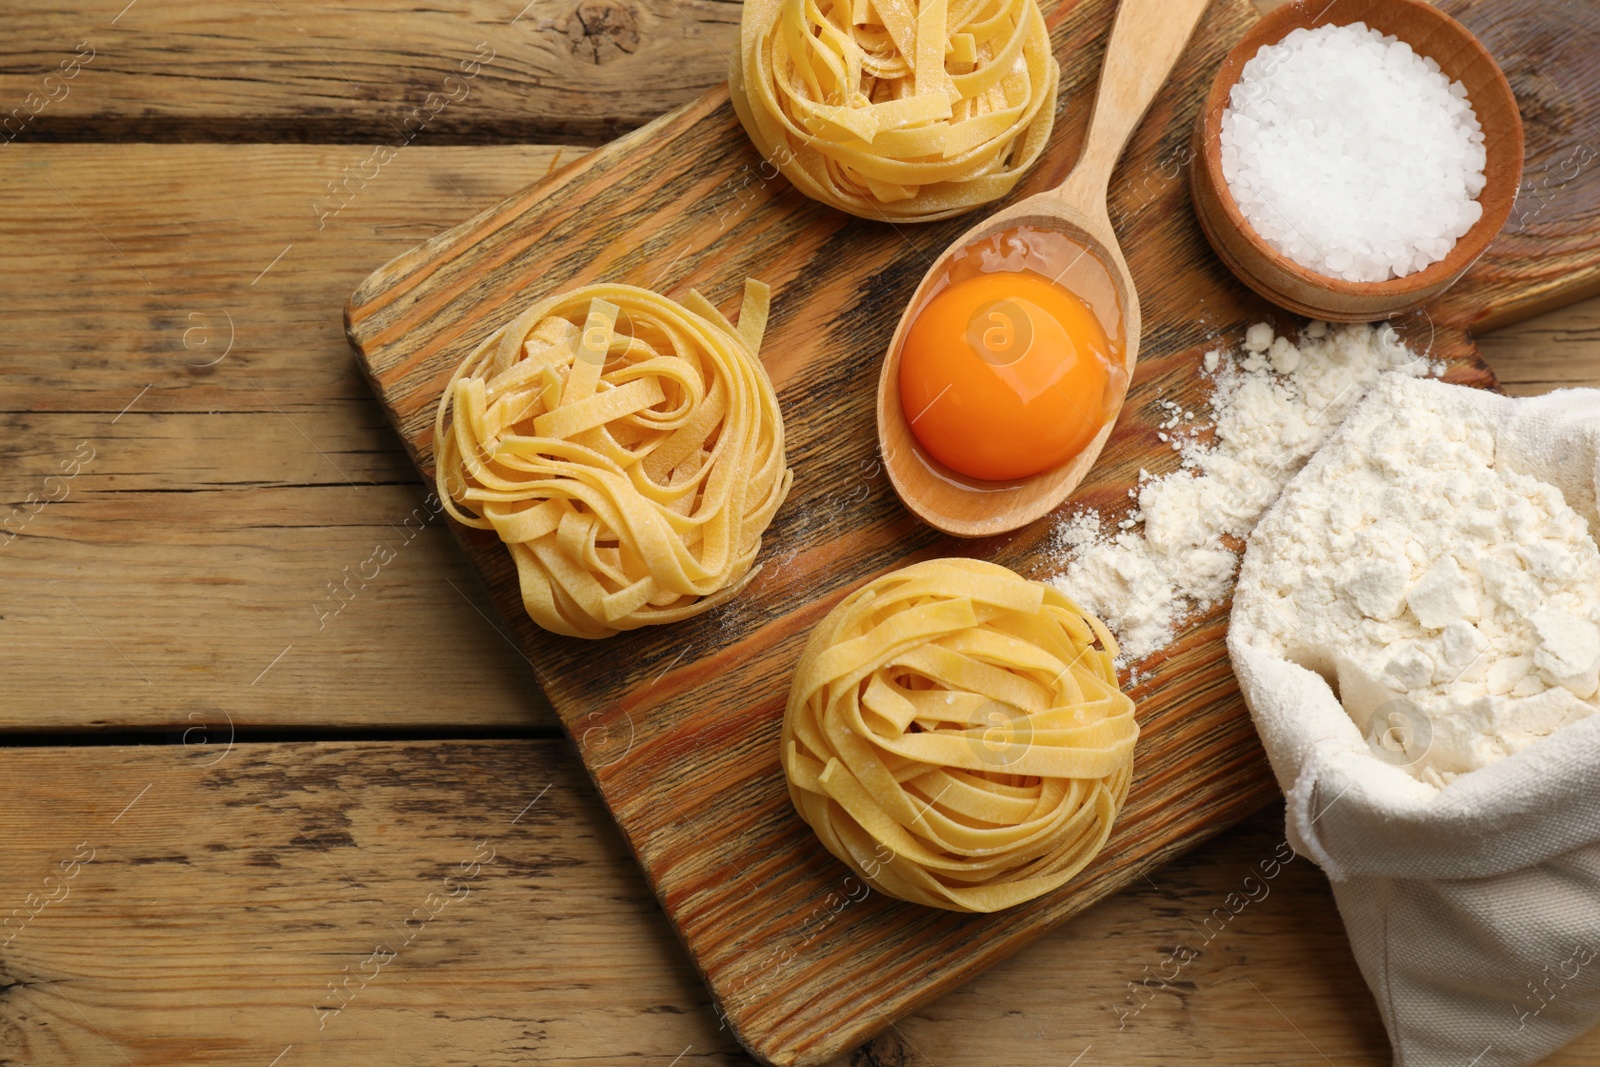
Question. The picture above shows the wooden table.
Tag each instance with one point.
(243, 744)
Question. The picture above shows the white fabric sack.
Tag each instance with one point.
(1473, 910)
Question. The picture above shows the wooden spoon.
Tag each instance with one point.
(1146, 39)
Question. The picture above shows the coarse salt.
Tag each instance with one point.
(1351, 154)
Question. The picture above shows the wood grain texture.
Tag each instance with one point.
(1557, 350)
(200, 453)
(1546, 256)
(240, 481)
(686, 716)
(696, 786)
(234, 893)
(1030, 1008)
(580, 71)
(228, 887)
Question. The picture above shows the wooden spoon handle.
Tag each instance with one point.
(1146, 39)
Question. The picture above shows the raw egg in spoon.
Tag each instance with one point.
(1006, 371)
(976, 438)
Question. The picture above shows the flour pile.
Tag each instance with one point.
(1453, 603)
(1271, 408)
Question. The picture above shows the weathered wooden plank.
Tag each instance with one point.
(1034, 1008)
(128, 266)
(216, 893)
(1547, 255)
(235, 490)
(714, 687)
(227, 898)
(1557, 349)
(580, 71)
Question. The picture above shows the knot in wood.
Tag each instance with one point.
(602, 30)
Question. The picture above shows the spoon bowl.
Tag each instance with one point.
(969, 507)
(1146, 39)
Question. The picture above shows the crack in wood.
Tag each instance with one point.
(604, 29)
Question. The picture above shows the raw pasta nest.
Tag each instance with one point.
(955, 733)
(626, 448)
(893, 110)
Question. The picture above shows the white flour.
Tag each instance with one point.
(1454, 604)
(1272, 407)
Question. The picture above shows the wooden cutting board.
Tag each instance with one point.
(678, 725)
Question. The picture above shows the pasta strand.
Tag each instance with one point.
(955, 734)
(856, 101)
(628, 449)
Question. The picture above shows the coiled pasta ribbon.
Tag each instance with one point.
(955, 733)
(906, 110)
(626, 448)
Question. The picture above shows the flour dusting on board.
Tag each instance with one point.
(1273, 405)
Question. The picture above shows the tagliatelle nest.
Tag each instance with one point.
(955, 733)
(897, 109)
(626, 448)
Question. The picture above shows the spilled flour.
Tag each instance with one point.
(1272, 406)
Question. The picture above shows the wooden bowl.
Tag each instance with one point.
(1463, 58)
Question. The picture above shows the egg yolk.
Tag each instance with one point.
(1004, 375)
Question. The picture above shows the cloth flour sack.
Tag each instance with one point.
(1472, 904)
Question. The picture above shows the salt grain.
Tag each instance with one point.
(1352, 155)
